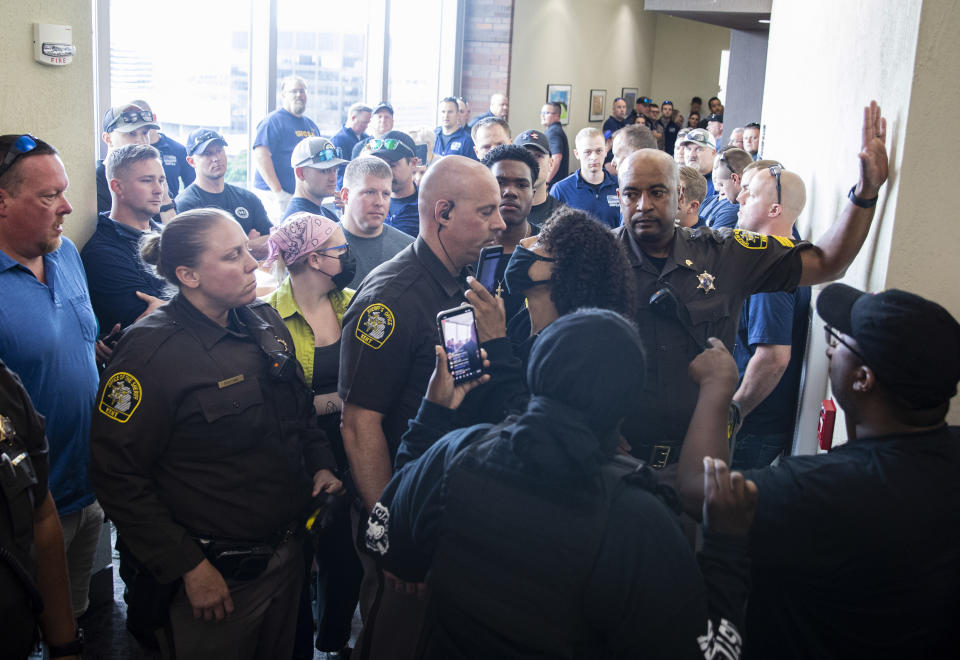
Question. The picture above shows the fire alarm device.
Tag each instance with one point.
(53, 44)
(828, 415)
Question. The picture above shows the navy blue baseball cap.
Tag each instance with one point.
(200, 139)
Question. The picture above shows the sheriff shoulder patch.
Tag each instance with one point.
(784, 241)
(121, 396)
(375, 325)
(750, 240)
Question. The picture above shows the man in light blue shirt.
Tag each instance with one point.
(48, 332)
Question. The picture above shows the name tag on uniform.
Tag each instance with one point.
(613, 200)
(169, 159)
(230, 381)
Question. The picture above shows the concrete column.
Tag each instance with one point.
(748, 64)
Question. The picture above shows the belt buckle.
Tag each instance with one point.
(659, 456)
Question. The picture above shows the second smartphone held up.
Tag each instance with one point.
(458, 332)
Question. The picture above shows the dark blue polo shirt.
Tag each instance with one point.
(722, 214)
(601, 201)
(404, 214)
(774, 318)
(245, 207)
(458, 143)
(613, 124)
(280, 131)
(346, 139)
(173, 155)
(115, 273)
(302, 204)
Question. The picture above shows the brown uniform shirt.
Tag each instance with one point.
(192, 436)
(711, 272)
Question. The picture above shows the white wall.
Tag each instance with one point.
(53, 103)
(904, 54)
(601, 44)
(686, 61)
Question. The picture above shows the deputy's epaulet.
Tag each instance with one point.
(143, 340)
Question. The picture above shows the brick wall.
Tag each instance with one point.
(486, 52)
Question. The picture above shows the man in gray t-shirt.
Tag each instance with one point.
(366, 198)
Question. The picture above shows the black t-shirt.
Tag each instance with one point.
(243, 205)
(855, 553)
(558, 145)
(540, 212)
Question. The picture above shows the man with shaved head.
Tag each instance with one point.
(387, 355)
(691, 284)
(499, 108)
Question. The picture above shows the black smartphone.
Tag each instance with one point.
(458, 332)
(487, 266)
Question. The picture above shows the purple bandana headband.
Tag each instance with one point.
(300, 234)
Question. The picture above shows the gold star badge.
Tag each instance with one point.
(706, 282)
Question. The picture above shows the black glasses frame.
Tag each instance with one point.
(833, 338)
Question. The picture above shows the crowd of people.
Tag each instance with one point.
(251, 386)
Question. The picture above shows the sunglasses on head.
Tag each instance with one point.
(775, 171)
(391, 144)
(130, 117)
(22, 145)
(323, 156)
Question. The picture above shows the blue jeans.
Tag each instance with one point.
(753, 451)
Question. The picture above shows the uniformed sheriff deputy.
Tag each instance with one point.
(387, 354)
(33, 568)
(204, 445)
(691, 284)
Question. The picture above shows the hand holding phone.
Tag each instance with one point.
(487, 266)
(458, 335)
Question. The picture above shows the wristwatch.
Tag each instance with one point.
(70, 648)
(861, 202)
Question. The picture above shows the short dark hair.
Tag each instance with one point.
(12, 178)
(752, 124)
(449, 99)
(590, 268)
(513, 152)
(558, 106)
(696, 99)
(489, 121)
(712, 99)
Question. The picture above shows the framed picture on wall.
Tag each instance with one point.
(629, 94)
(598, 104)
(560, 94)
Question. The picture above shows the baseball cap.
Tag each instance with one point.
(715, 117)
(700, 136)
(394, 145)
(200, 139)
(317, 152)
(127, 118)
(383, 105)
(534, 139)
(912, 344)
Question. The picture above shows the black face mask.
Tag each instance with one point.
(348, 268)
(517, 274)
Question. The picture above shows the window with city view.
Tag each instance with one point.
(193, 64)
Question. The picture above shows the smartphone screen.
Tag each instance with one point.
(487, 266)
(458, 331)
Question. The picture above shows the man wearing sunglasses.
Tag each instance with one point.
(315, 161)
(127, 124)
(854, 553)
(710, 274)
(399, 150)
(206, 154)
(721, 210)
(772, 334)
(48, 333)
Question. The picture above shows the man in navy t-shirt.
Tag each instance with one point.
(277, 135)
(315, 162)
(559, 148)
(206, 155)
(452, 138)
(772, 335)
(399, 150)
(352, 133)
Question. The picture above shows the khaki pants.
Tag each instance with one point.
(81, 534)
(263, 621)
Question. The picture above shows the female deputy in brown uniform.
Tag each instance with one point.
(204, 446)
